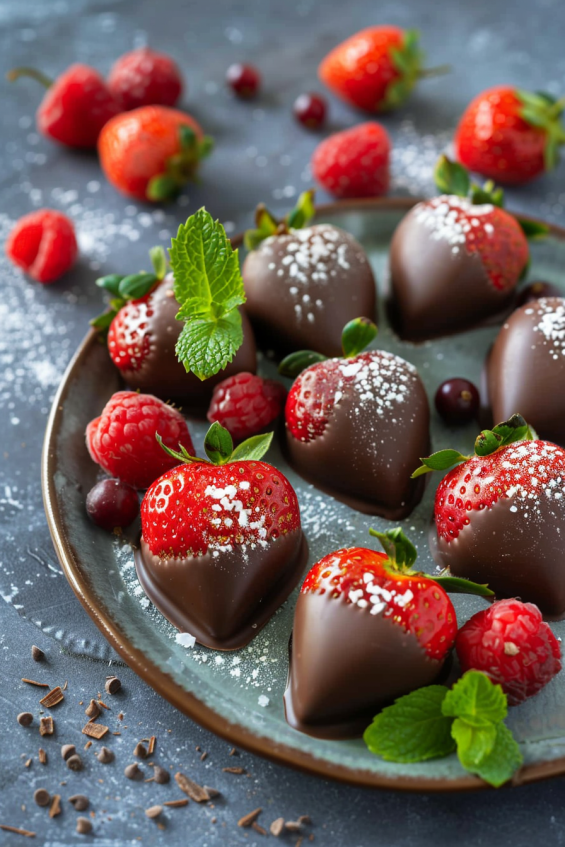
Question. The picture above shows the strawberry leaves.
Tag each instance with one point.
(266, 224)
(218, 446)
(209, 289)
(434, 721)
(544, 112)
(356, 336)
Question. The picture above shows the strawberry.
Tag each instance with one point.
(44, 244)
(123, 439)
(354, 162)
(511, 644)
(222, 544)
(375, 69)
(76, 106)
(143, 77)
(500, 514)
(510, 135)
(245, 404)
(151, 152)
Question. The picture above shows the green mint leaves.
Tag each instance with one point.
(209, 290)
(218, 446)
(434, 721)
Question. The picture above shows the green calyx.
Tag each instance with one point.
(180, 168)
(131, 287)
(544, 112)
(355, 337)
(407, 60)
(218, 446)
(266, 224)
(32, 73)
(487, 442)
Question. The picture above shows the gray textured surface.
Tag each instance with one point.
(261, 155)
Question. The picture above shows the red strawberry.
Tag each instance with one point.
(500, 514)
(222, 544)
(245, 404)
(375, 69)
(143, 77)
(76, 106)
(513, 646)
(354, 162)
(510, 135)
(151, 152)
(123, 439)
(44, 244)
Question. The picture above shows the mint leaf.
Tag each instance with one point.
(503, 761)
(413, 729)
(253, 448)
(440, 461)
(218, 444)
(206, 345)
(475, 740)
(475, 696)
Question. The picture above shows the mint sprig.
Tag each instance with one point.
(209, 289)
(434, 721)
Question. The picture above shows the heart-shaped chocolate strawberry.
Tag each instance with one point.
(525, 369)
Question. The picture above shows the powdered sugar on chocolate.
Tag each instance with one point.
(551, 325)
(455, 220)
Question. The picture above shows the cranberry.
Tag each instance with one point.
(112, 504)
(457, 401)
(244, 80)
(536, 290)
(310, 110)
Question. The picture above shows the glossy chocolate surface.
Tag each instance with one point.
(347, 664)
(525, 370)
(160, 372)
(225, 597)
(303, 287)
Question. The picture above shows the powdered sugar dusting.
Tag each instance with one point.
(455, 220)
(551, 325)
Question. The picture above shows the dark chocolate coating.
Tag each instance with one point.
(303, 287)
(161, 373)
(225, 597)
(436, 291)
(365, 459)
(516, 556)
(525, 369)
(346, 664)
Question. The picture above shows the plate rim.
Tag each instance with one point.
(159, 680)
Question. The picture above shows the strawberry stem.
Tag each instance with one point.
(33, 73)
(439, 70)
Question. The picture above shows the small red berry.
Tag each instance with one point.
(143, 77)
(354, 162)
(310, 110)
(510, 643)
(44, 244)
(244, 80)
(112, 504)
(245, 404)
(123, 439)
(457, 401)
(537, 290)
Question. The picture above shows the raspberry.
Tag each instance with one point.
(510, 643)
(354, 162)
(143, 77)
(44, 244)
(245, 404)
(122, 440)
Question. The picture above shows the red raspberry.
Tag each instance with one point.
(510, 643)
(143, 77)
(122, 440)
(44, 244)
(245, 404)
(355, 162)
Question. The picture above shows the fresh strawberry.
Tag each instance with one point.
(375, 69)
(512, 645)
(123, 439)
(44, 244)
(151, 152)
(76, 106)
(354, 162)
(245, 404)
(143, 77)
(510, 135)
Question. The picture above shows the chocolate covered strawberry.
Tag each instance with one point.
(355, 425)
(500, 514)
(455, 260)
(222, 545)
(368, 628)
(303, 282)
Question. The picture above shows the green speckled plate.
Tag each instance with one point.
(239, 695)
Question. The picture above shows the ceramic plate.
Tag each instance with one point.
(239, 695)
